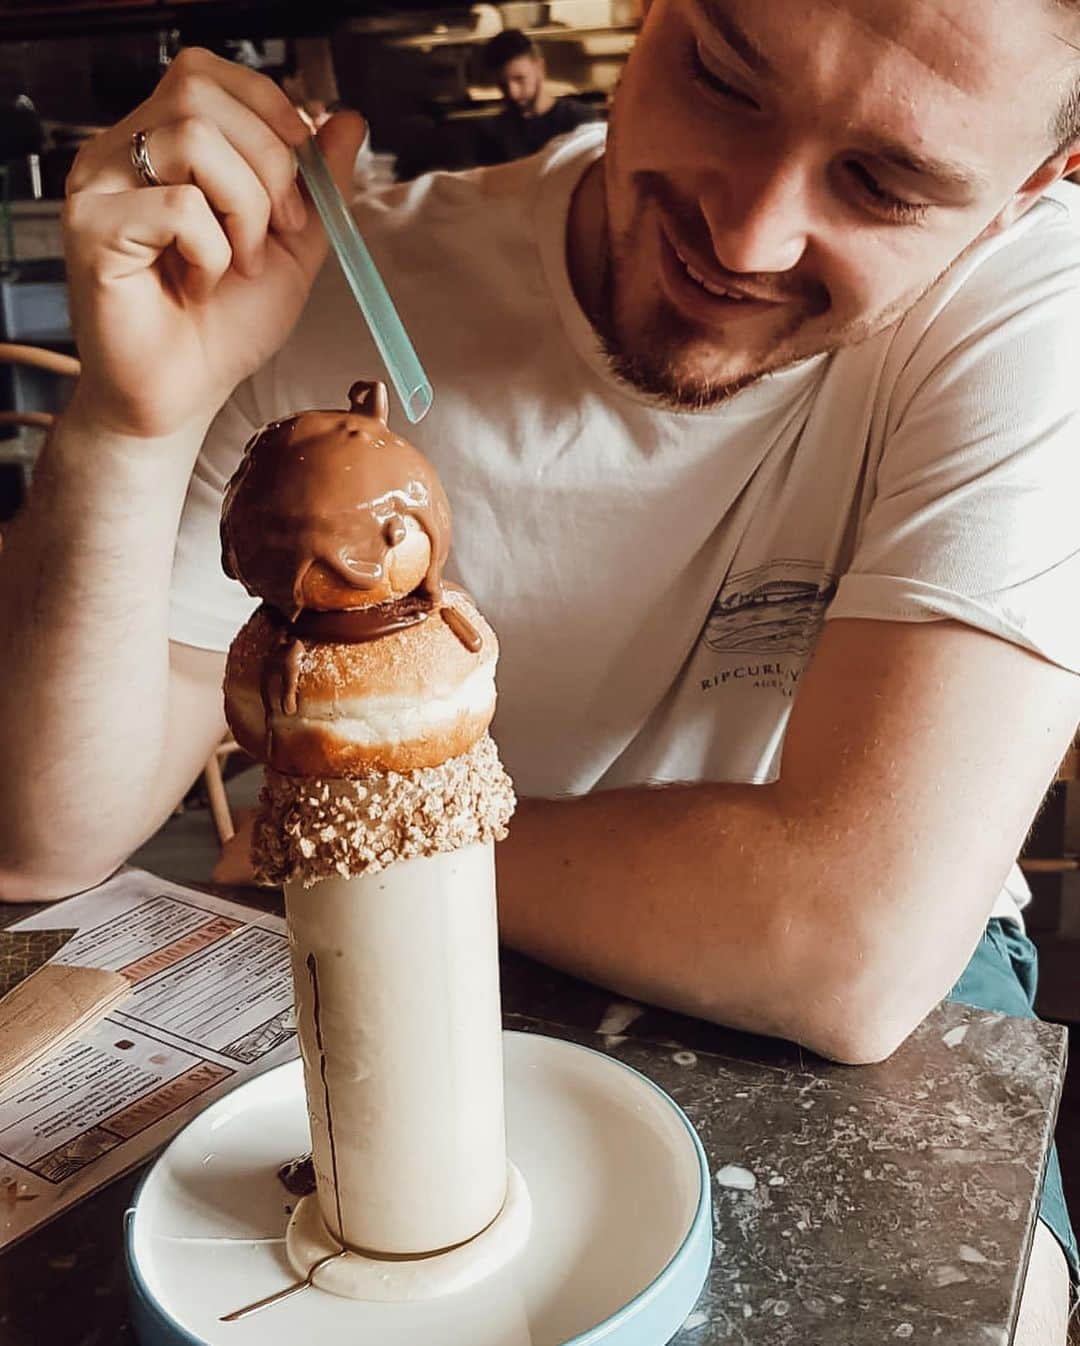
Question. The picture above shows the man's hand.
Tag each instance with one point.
(178, 292)
(837, 906)
(234, 864)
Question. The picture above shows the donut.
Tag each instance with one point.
(411, 698)
(330, 510)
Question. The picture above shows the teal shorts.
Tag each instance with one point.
(1002, 976)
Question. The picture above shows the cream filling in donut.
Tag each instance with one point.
(370, 721)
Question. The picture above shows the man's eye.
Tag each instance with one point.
(880, 199)
(702, 74)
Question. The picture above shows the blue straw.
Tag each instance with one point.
(406, 373)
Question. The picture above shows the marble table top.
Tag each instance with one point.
(851, 1204)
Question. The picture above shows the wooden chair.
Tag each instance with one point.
(18, 453)
(214, 780)
(38, 358)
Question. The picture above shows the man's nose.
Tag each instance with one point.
(759, 219)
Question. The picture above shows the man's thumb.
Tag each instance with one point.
(340, 140)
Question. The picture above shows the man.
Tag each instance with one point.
(760, 430)
(532, 115)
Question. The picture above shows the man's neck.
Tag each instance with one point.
(545, 101)
(586, 239)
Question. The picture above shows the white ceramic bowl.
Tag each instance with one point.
(619, 1248)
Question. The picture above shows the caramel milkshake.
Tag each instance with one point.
(367, 686)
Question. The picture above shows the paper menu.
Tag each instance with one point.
(211, 1007)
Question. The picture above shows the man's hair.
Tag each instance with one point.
(1067, 121)
(1066, 127)
(507, 46)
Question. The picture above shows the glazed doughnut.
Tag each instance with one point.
(330, 510)
(409, 699)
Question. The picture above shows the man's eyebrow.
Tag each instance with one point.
(739, 42)
(952, 176)
(957, 176)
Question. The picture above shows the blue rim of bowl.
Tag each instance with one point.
(701, 1218)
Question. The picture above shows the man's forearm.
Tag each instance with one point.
(646, 891)
(838, 905)
(722, 901)
(84, 581)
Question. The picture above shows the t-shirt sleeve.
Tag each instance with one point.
(974, 502)
(206, 608)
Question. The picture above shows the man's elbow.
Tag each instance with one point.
(27, 880)
(857, 1035)
(833, 1018)
(38, 865)
(856, 1007)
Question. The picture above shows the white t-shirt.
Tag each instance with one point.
(658, 578)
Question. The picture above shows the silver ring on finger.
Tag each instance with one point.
(141, 161)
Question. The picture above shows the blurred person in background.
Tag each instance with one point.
(532, 114)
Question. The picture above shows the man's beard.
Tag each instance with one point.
(656, 354)
(658, 367)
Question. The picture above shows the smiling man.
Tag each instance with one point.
(761, 428)
(819, 170)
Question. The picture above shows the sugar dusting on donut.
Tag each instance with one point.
(410, 699)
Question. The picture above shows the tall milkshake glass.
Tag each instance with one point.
(397, 994)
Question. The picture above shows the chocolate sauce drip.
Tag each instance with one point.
(298, 1176)
(330, 488)
(291, 675)
(356, 626)
(316, 1014)
(351, 626)
(278, 684)
(469, 636)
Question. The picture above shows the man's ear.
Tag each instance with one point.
(1059, 166)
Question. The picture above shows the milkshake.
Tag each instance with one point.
(366, 684)
(398, 1013)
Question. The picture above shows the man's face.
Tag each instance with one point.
(520, 81)
(785, 178)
